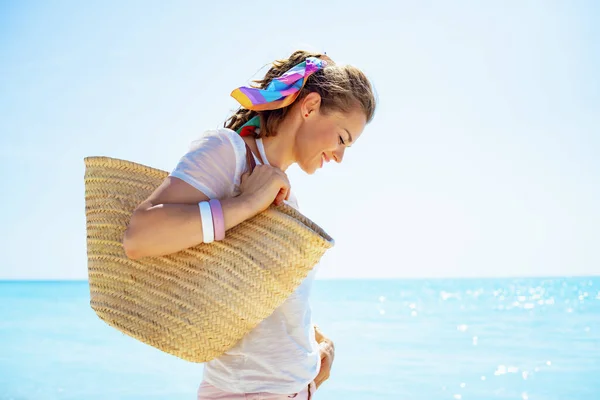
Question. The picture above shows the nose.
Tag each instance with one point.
(338, 155)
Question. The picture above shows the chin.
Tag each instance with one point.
(309, 169)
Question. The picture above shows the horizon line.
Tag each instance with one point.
(407, 278)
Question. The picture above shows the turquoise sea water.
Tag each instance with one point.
(525, 339)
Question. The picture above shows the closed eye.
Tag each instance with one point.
(342, 141)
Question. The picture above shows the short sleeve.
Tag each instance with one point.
(211, 165)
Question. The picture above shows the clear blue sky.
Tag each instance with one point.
(483, 159)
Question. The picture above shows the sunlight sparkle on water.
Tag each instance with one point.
(447, 295)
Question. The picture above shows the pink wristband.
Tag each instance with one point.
(218, 219)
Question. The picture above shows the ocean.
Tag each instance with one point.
(419, 339)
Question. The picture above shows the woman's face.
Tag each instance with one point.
(324, 137)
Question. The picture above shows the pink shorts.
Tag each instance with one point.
(206, 391)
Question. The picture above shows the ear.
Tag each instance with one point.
(310, 104)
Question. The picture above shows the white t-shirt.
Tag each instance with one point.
(281, 354)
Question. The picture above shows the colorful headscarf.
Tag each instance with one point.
(250, 128)
(281, 91)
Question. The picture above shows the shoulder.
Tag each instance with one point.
(213, 162)
(221, 143)
(218, 138)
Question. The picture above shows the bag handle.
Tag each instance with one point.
(252, 163)
(250, 158)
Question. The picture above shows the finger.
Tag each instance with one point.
(280, 196)
(283, 193)
(283, 176)
(318, 381)
(287, 190)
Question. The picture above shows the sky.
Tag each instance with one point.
(482, 160)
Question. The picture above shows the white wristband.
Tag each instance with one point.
(208, 230)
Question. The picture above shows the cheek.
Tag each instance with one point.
(320, 142)
(311, 139)
(324, 136)
(327, 140)
(317, 138)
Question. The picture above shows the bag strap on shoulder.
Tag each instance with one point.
(251, 163)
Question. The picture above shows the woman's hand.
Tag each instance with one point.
(266, 185)
(327, 351)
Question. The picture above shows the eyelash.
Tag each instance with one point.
(342, 141)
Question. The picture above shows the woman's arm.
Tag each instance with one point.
(169, 220)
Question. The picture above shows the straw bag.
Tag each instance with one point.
(197, 303)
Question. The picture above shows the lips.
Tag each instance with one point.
(324, 159)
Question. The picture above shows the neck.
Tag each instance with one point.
(280, 148)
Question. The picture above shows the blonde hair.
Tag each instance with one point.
(342, 88)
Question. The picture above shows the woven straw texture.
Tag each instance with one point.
(197, 303)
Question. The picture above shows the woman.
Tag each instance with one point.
(306, 110)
